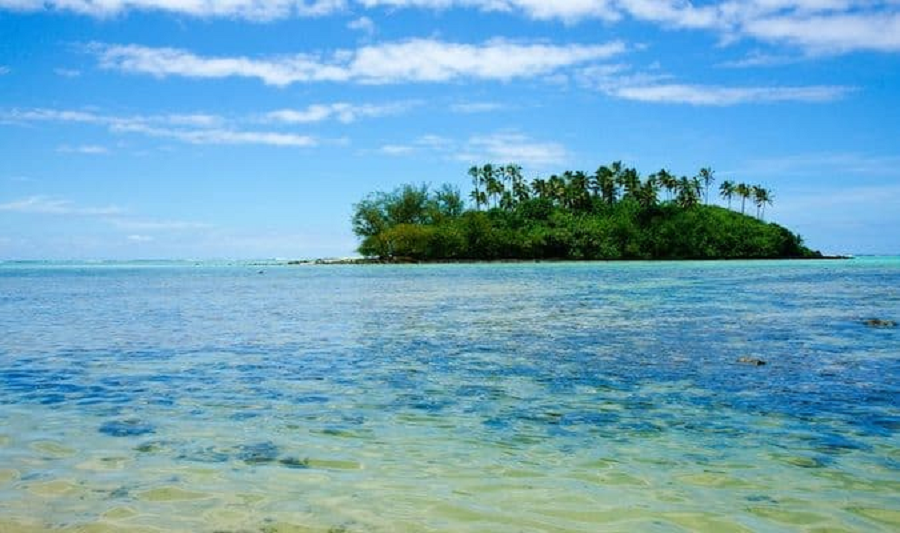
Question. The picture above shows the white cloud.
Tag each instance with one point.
(838, 165)
(362, 24)
(567, 10)
(830, 33)
(414, 60)
(342, 111)
(86, 149)
(513, 148)
(818, 26)
(759, 59)
(499, 147)
(67, 72)
(136, 224)
(140, 238)
(396, 149)
(476, 107)
(46, 205)
(189, 128)
(4, 70)
(221, 136)
(708, 95)
(656, 86)
(260, 10)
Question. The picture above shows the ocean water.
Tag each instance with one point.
(576, 397)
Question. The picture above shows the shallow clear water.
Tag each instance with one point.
(528, 397)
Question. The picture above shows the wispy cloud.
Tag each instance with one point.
(362, 24)
(47, 205)
(513, 148)
(4, 70)
(499, 147)
(476, 107)
(818, 26)
(259, 10)
(85, 149)
(709, 95)
(67, 72)
(145, 225)
(188, 128)
(139, 228)
(342, 111)
(655, 86)
(396, 149)
(759, 59)
(221, 136)
(836, 164)
(414, 60)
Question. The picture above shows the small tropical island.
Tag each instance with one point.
(612, 214)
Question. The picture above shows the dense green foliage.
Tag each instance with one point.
(612, 214)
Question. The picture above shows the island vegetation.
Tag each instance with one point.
(612, 214)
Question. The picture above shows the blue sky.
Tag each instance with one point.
(248, 128)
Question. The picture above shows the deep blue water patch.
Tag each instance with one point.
(129, 427)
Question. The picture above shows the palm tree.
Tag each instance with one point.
(667, 181)
(476, 195)
(556, 189)
(517, 183)
(706, 175)
(540, 188)
(579, 192)
(688, 192)
(492, 182)
(605, 182)
(761, 197)
(631, 182)
(744, 191)
(727, 190)
(648, 192)
(764, 196)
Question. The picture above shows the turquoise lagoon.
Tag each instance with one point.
(493, 398)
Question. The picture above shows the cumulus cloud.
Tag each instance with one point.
(414, 60)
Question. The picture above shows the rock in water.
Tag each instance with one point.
(751, 361)
(880, 323)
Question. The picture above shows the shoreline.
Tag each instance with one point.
(409, 261)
